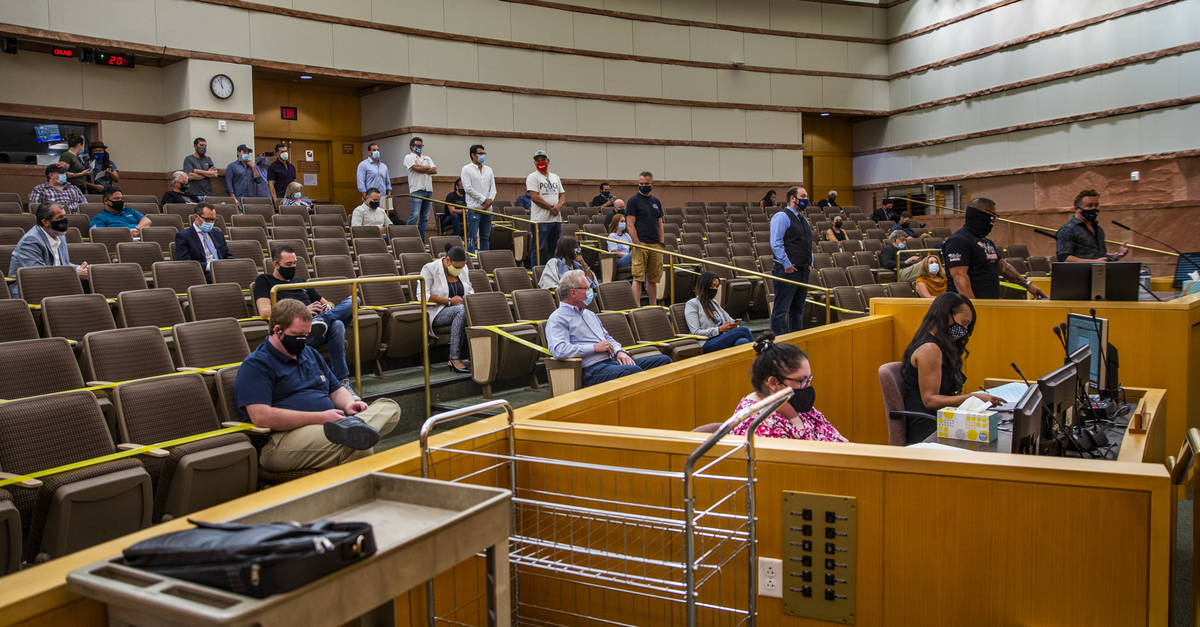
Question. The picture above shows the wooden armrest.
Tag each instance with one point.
(256, 429)
(28, 483)
(154, 452)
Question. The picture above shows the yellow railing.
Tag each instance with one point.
(671, 256)
(1031, 226)
(537, 249)
(354, 283)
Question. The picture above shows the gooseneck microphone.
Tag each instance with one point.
(1058, 333)
(1158, 241)
(1014, 367)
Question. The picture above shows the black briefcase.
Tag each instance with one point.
(254, 560)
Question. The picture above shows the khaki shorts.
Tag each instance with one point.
(647, 265)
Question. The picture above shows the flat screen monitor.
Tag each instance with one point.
(1187, 264)
(1082, 331)
(1027, 422)
(47, 133)
(1058, 394)
(1094, 281)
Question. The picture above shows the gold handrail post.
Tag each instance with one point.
(671, 277)
(425, 346)
(828, 314)
(537, 244)
(465, 234)
(357, 337)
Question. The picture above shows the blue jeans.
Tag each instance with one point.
(548, 234)
(787, 314)
(626, 261)
(420, 211)
(335, 337)
(479, 224)
(611, 369)
(733, 337)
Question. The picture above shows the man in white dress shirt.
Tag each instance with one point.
(479, 184)
(420, 183)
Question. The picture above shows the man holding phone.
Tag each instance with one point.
(329, 320)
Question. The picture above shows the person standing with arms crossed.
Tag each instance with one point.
(421, 169)
(791, 243)
(643, 214)
(547, 194)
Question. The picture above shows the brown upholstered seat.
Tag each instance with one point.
(225, 300)
(38, 366)
(75, 315)
(652, 324)
(196, 475)
(35, 283)
(16, 321)
(144, 254)
(493, 357)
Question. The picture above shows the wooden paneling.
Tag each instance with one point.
(830, 142)
(329, 114)
(1156, 342)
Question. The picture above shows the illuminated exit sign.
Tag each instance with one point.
(288, 113)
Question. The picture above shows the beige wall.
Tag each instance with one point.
(1109, 133)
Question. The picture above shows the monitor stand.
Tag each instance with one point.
(1099, 276)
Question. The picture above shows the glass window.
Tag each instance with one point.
(35, 142)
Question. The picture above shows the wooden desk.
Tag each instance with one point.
(1143, 438)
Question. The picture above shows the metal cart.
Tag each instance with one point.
(589, 537)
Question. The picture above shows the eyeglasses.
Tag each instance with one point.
(804, 381)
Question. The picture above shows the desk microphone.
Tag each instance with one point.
(1014, 367)
(1158, 241)
(1058, 333)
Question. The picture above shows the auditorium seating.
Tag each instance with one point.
(492, 357)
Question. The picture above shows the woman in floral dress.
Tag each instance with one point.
(778, 366)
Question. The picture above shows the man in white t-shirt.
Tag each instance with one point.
(547, 195)
(420, 183)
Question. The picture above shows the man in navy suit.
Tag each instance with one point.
(45, 244)
(201, 242)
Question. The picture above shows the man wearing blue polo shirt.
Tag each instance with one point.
(116, 214)
(285, 386)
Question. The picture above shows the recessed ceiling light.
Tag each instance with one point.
(824, 115)
(305, 77)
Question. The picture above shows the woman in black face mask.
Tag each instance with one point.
(932, 372)
(776, 367)
(705, 317)
(836, 233)
(450, 219)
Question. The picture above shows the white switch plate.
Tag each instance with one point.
(221, 125)
(770, 577)
(1135, 175)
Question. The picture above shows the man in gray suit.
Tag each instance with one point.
(45, 244)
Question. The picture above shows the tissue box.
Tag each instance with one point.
(974, 426)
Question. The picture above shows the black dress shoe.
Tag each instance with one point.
(351, 431)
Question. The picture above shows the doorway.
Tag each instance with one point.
(311, 159)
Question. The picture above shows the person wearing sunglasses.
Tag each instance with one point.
(780, 366)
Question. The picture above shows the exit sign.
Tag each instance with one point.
(288, 113)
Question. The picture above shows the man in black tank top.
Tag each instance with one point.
(791, 243)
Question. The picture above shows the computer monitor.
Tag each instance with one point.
(1058, 395)
(1095, 281)
(47, 133)
(1083, 331)
(1187, 264)
(1027, 422)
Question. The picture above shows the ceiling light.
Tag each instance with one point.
(305, 77)
(824, 115)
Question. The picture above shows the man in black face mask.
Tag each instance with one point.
(1081, 238)
(971, 258)
(44, 245)
(315, 421)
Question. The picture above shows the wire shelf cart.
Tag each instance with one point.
(624, 537)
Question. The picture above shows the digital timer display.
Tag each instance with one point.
(115, 59)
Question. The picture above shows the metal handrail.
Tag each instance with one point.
(354, 283)
(1033, 226)
(537, 249)
(671, 255)
(765, 408)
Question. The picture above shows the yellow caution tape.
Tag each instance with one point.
(1014, 286)
(496, 328)
(833, 307)
(124, 454)
(109, 386)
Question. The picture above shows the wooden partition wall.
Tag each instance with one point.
(944, 537)
(1158, 344)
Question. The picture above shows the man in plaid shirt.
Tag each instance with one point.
(57, 190)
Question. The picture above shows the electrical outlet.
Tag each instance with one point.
(770, 577)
